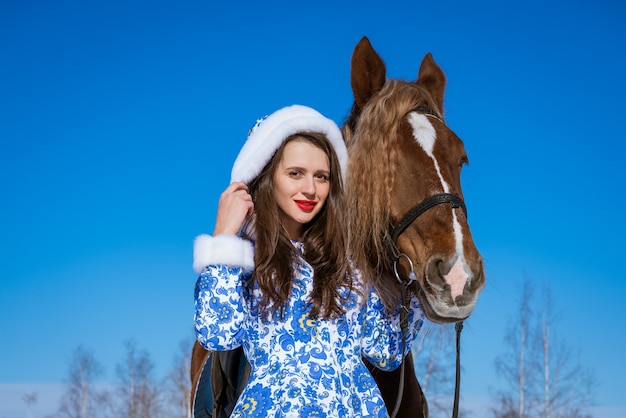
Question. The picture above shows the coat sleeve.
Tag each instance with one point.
(224, 262)
(382, 334)
(220, 307)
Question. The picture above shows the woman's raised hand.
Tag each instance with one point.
(234, 207)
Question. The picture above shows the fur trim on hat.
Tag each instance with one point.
(269, 133)
(230, 250)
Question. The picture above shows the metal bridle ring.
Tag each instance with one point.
(412, 276)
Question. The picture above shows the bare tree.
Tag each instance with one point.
(30, 399)
(542, 378)
(567, 387)
(81, 398)
(177, 384)
(137, 394)
(512, 365)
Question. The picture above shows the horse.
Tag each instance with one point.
(407, 221)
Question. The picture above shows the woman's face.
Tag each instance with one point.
(301, 185)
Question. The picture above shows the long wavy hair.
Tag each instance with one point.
(324, 241)
(372, 136)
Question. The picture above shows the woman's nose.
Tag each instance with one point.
(308, 187)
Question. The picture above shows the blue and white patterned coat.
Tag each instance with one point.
(301, 367)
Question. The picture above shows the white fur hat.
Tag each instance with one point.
(269, 133)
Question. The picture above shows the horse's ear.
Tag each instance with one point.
(367, 74)
(432, 77)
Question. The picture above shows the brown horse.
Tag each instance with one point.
(407, 220)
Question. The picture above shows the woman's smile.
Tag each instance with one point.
(306, 205)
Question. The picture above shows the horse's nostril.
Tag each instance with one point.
(435, 271)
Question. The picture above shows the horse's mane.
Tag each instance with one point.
(372, 137)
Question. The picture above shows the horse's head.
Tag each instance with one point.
(402, 154)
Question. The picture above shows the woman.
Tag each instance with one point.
(275, 279)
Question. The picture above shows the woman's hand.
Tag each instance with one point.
(234, 207)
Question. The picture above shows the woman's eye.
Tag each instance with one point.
(322, 177)
(294, 174)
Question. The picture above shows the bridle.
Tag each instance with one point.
(455, 200)
(418, 210)
(396, 255)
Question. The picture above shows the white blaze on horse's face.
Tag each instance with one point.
(425, 135)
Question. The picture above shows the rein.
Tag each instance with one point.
(404, 223)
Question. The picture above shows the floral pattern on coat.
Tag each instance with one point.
(301, 366)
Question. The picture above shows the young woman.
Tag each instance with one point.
(275, 278)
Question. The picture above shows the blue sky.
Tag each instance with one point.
(119, 122)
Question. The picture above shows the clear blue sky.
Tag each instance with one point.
(119, 122)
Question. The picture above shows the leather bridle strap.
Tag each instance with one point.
(458, 327)
(404, 325)
(422, 207)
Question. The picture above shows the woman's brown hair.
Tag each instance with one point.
(323, 238)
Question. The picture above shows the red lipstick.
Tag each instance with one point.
(306, 205)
